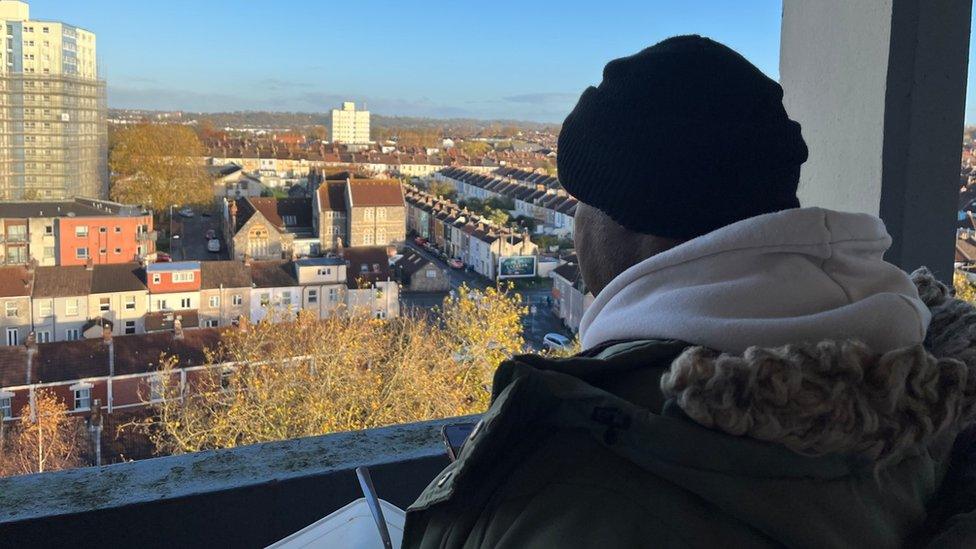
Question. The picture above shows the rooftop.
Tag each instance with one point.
(375, 192)
(173, 266)
(79, 207)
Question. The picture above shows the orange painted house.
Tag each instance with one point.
(104, 239)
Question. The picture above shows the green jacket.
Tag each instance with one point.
(587, 452)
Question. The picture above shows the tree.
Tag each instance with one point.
(311, 377)
(48, 440)
(475, 149)
(964, 287)
(157, 165)
(442, 189)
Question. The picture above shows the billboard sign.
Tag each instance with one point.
(517, 266)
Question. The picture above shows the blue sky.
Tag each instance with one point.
(499, 59)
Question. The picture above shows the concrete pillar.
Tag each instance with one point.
(879, 88)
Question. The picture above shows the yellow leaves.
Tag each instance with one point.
(965, 287)
(310, 377)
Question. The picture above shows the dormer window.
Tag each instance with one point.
(186, 276)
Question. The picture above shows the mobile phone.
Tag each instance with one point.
(454, 436)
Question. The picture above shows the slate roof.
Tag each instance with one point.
(276, 273)
(332, 196)
(373, 259)
(120, 277)
(62, 281)
(230, 273)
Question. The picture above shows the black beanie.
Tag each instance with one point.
(683, 138)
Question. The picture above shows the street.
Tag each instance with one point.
(536, 324)
(192, 242)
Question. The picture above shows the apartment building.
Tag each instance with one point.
(330, 215)
(53, 131)
(70, 232)
(350, 126)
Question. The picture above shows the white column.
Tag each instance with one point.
(879, 88)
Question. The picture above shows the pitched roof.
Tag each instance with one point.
(230, 274)
(332, 196)
(275, 210)
(411, 262)
(569, 271)
(120, 277)
(276, 273)
(62, 281)
(14, 281)
(375, 192)
(367, 263)
(85, 358)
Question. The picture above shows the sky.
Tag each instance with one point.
(509, 59)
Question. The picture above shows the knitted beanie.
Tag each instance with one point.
(680, 139)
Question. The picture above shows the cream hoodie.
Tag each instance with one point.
(802, 275)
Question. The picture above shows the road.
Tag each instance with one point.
(535, 324)
(192, 242)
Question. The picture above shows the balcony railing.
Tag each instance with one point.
(249, 496)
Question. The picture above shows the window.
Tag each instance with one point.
(83, 398)
(431, 273)
(103, 230)
(214, 301)
(238, 299)
(380, 235)
(265, 299)
(380, 213)
(6, 408)
(13, 336)
(102, 251)
(313, 296)
(104, 304)
(368, 214)
(71, 307)
(289, 219)
(286, 299)
(43, 336)
(186, 276)
(161, 305)
(185, 302)
(118, 230)
(210, 323)
(12, 311)
(49, 229)
(130, 327)
(130, 303)
(81, 253)
(327, 271)
(48, 252)
(81, 230)
(156, 278)
(118, 251)
(333, 294)
(71, 334)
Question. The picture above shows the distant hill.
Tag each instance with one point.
(280, 120)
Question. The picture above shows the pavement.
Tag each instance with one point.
(536, 324)
(192, 244)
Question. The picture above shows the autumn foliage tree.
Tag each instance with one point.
(48, 440)
(158, 165)
(311, 376)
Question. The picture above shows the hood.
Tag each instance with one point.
(796, 276)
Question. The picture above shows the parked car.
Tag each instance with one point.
(555, 341)
(213, 245)
(186, 212)
(163, 257)
(456, 263)
(210, 234)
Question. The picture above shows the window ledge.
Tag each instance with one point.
(259, 493)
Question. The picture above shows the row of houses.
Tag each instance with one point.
(534, 195)
(54, 304)
(74, 232)
(462, 235)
